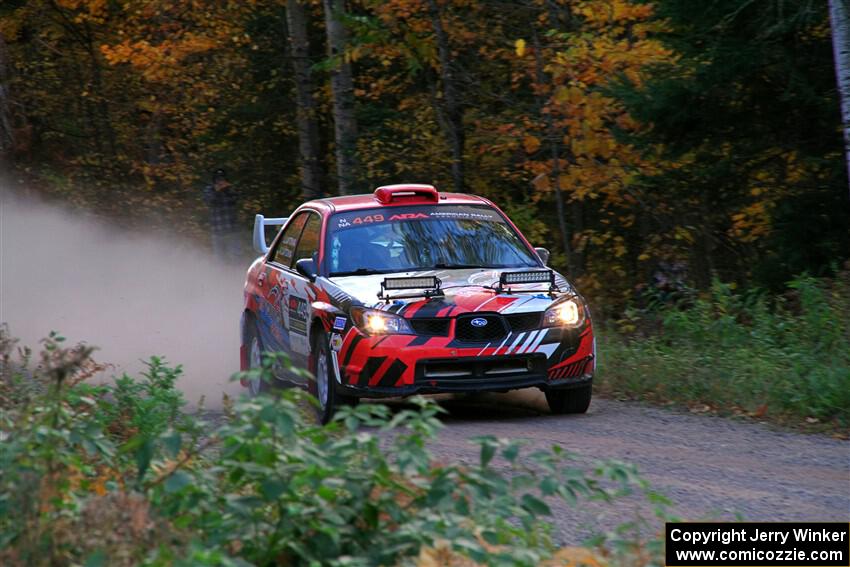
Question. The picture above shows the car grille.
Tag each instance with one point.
(486, 372)
(431, 327)
(523, 321)
(497, 326)
(466, 332)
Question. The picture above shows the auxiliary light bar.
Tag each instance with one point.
(508, 278)
(429, 284)
(425, 282)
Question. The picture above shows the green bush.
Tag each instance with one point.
(787, 356)
(122, 475)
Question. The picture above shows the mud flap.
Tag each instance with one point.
(337, 373)
(243, 350)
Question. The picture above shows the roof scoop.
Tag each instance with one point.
(410, 192)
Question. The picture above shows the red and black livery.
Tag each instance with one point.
(409, 291)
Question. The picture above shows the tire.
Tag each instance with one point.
(256, 386)
(324, 385)
(572, 400)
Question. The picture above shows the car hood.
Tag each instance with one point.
(463, 293)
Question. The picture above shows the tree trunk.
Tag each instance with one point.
(452, 108)
(342, 88)
(839, 14)
(308, 127)
(555, 149)
(7, 137)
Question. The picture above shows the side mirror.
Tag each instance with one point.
(307, 268)
(544, 255)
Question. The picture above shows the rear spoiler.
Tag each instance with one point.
(260, 224)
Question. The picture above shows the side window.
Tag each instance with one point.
(287, 241)
(308, 246)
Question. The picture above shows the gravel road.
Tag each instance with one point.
(711, 467)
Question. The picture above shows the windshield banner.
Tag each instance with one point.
(343, 221)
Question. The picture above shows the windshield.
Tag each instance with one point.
(423, 237)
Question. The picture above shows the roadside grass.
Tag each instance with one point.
(123, 474)
(784, 359)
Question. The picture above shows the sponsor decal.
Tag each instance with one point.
(339, 323)
(336, 342)
(273, 293)
(408, 216)
(460, 214)
(297, 314)
(478, 322)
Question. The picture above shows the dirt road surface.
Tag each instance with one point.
(711, 467)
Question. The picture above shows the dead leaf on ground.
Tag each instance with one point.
(761, 411)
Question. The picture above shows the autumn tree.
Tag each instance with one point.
(621, 134)
(565, 141)
(749, 115)
(61, 83)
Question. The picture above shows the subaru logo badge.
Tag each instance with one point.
(478, 322)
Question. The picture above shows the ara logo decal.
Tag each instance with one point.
(407, 216)
(478, 322)
(339, 323)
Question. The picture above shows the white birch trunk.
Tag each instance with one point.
(839, 13)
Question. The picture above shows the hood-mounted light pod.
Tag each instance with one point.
(430, 286)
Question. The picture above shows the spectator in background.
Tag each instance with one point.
(221, 197)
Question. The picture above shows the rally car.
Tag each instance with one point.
(408, 291)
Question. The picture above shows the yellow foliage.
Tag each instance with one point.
(161, 62)
(752, 222)
(531, 144)
(519, 45)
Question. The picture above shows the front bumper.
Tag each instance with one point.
(485, 386)
(403, 365)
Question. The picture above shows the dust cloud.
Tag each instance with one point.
(131, 294)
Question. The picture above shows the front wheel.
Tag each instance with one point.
(573, 400)
(324, 387)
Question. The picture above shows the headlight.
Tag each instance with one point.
(569, 313)
(374, 322)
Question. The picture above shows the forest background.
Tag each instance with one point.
(629, 137)
(682, 159)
